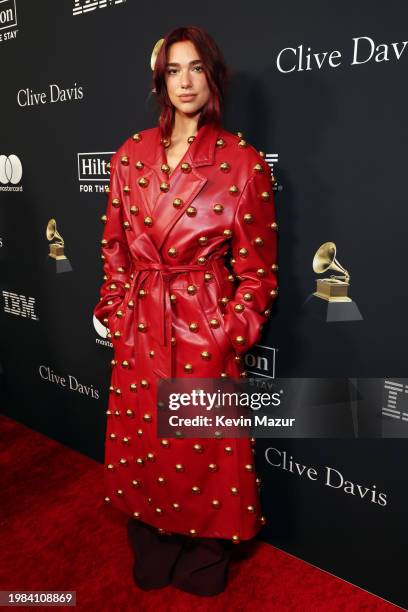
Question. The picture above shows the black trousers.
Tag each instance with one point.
(196, 565)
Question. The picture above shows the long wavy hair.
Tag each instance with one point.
(215, 69)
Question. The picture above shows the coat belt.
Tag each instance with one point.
(160, 330)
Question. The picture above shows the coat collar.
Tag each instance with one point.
(201, 152)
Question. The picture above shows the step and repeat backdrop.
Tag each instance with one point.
(322, 90)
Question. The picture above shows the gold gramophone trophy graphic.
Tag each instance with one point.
(62, 263)
(331, 301)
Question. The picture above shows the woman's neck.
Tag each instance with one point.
(184, 126)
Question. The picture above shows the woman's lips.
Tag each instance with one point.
(187, 98)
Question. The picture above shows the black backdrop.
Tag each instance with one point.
(338, 139)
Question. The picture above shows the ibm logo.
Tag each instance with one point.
(19, 305)
(396, 400)
(86, 6)
(8, 14)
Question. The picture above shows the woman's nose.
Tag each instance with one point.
(185, 80)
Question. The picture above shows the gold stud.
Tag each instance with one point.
(198, 448)
(202, 240)
(164, 186)
(142, 327)
(193, 326)
(110, 466)
(212, 467)
(136, 514)
(126, 225)
(104, 242)
(130, 304)
(191, 211)
(176, 506)
(188, 367)
(119, 492)
(125, 440)
(258, 241)
(143, 181)
(190, 139)
(261, 272)
(220, 142)
(173, 298)
(234, 490)
(273, 292)
(265, 195)
(227, 233)
(208, 276)
(225, 167)
(124, 160)
(151, 457)
(216, 503)
(116, 202)
(191, 289)
(165, 168)
(235, 539)
(251, 509)
(139, 432)
(172, 252)
(165, 142)
(159, 510)
(125, 363)
(202, 259)
(247, 297)
(273, 225)
(248, 218)
(123, 461)
(140, 461)
(177, 202)
(249, 467)
(165, 443)
(139, 165)
(129, 412)
(104, 218)
(240, 135)
(240, 340)
(145, 384)
(243, 252)
(239, 307)
(205, 355)
(274, 267)
(233, 189)
(261, 153)
(242, 143)
(185, 167)
(126, 189)
(193, 532)
(148, 221)
(258, 168)
(179, 467)
(214, 323)
(107, 500)
(228, 450)
(142, 293)
(218, 208)
(262, 520)
(147, 416)
(134, 210)
(196, 490)
(137, 137)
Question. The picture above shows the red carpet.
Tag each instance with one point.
(57, 534)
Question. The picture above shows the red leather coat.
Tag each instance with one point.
(173, 309)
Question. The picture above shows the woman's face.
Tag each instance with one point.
(186, 81)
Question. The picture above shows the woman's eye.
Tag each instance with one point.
(171, 71)
(198, 68)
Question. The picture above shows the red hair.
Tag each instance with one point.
(215, 69)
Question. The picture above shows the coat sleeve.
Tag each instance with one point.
(115, 251)
(254, 261)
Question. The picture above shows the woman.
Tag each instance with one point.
(181, 196)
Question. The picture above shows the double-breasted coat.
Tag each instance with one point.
(190, 260)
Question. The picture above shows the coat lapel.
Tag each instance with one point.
(183, 185)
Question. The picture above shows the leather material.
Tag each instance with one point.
(155, 287)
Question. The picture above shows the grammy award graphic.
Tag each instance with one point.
(331, 301)
(62, 263)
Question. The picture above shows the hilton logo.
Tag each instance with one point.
(260, 361)
(8, 19)
(86, 6)
(19, 305)
(92, 169)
